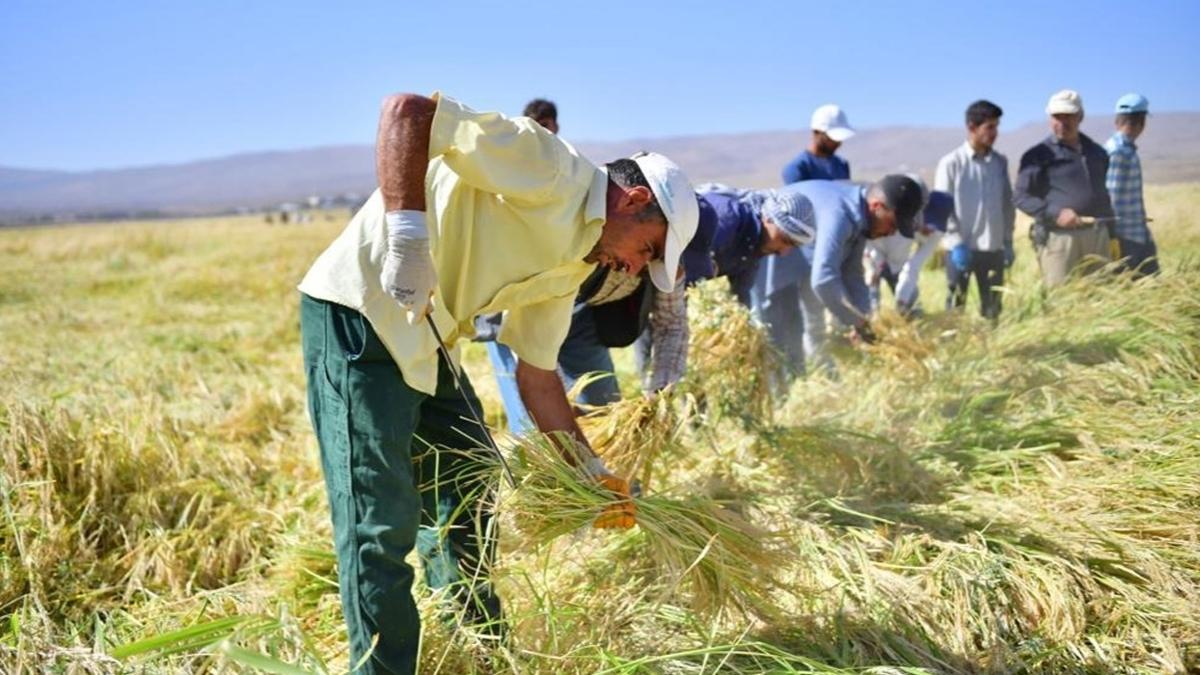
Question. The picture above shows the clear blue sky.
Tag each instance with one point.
(112, 84)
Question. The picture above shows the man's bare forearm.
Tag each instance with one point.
(402, 150)
(546, 400)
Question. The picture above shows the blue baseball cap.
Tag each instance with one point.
(1132, 103)
(938, 210)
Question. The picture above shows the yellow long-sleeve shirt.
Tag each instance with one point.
(512, 211)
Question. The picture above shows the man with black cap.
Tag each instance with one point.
(844, 216)
(1135, 246)
(894, 260)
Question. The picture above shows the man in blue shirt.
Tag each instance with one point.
(892, 259)
(776, 291)
(1124, 182)
(748, 228)
(830, 129)
(829, 270)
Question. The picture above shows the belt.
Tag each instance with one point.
(1078, 228)
(1085, 223)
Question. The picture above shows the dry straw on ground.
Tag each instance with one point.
(962, 499)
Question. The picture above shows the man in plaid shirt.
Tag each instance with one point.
(1124, 183)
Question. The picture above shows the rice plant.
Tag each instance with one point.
(964, 498)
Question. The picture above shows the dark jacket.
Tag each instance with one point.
(736, 241)
(1054, 176)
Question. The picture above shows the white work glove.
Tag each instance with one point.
(408, 273)
(594, 467)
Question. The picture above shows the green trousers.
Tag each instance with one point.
(402, 470)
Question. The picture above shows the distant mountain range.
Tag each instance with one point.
(1170, 153)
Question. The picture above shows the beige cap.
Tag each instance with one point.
(1067, 101)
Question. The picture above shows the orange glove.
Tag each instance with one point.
(622, 513)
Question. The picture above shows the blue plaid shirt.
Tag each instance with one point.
(1124, 183)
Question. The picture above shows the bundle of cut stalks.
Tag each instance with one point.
(903, 348)
(634, 436)
(694, 547)
(730, 360)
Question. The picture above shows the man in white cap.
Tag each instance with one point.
(1061, 186)
(830, 129)
(475, 213)
(1135, 245)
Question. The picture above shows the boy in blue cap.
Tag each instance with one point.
(1137, 250)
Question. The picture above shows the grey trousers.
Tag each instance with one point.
(795, 319)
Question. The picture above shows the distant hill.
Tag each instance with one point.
(1170, 153)
(1170, 150)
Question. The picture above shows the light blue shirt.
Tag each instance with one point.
(833, 261)
(779, 272)
(983, 214)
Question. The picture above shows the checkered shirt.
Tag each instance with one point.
(1124, 183)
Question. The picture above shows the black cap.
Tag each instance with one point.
(903, 196)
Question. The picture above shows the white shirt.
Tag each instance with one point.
(896, 251)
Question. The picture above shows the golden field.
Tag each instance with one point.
(964, 498)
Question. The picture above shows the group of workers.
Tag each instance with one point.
(491, 227)
(1086, 203)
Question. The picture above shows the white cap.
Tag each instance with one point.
(830, 119)
(1067, 101)
(677, 199)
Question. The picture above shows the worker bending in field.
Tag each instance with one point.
(829, 270)
(1061, 186)
(777, 290)
(894, 260)
(487, 326)
(614, 308)
(750, 226)
(475, 213)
